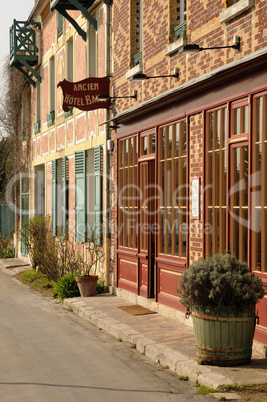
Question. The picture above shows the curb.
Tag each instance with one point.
(167, 357)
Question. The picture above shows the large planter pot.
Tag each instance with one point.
(87, 285)
(223, 336)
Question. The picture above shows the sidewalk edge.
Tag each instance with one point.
(166, 357)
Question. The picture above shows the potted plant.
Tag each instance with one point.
(221, 294)
(86, 276)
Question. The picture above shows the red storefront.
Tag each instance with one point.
(211, 133)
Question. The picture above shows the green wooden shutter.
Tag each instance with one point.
(54, 197)
(65, 192)
(8, 220)
(24, 210)
(80, 196)
(98, 194)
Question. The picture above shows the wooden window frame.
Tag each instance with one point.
(167, 157)
(128, 208)
(262, 143)
(216, 193)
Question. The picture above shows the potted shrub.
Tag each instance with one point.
(86, 277)
(221, 294)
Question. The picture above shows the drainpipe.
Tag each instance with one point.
(107, 229)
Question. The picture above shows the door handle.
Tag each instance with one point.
(145, 256)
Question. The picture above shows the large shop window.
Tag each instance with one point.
(259, 185)
(172, 187)
(215, 186)
(128, 192)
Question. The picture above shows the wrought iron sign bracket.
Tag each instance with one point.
(62, 9)
(36, 75)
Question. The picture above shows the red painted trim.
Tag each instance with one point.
(260, 335)
(127, 251)
(221, 102)
(170, 301)
(171, 260)
(263, 276)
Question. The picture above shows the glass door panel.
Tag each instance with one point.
(239, 202)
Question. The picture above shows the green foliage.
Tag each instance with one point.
(6, 157)
(36, 279)
(6, 247)
(58, 256)
(41, 245)
(66, 287)
(8, 253)
(183, 378)
(100, 287)
(219, 281)
(204, 390)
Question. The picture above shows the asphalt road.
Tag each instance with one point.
(49, 354)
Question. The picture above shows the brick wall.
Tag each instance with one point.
(60, 75)
(196, 129)
(45, 95)
(113, 254)
(49, 33)
(80, 58)
(203, 27)
(61, 137)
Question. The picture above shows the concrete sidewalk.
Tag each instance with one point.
(162, 339)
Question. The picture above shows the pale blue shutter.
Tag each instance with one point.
(65, 204)
(54, 197)
(98, 194)
(80, 196)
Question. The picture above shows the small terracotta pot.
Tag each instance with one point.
(87, 285)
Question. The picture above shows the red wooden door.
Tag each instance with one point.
(147, 218)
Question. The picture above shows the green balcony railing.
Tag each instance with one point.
(50, 118)
(24, 51)
(70, 111)
(37, 127)
(180, 30)
(137, 58)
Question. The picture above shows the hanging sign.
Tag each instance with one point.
(83, 94)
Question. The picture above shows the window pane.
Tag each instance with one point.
(172, 174)
(177, 139)
(215, 185)
(170, 142)
(183, 128)
(127, 192)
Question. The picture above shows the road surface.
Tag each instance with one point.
(49, 354)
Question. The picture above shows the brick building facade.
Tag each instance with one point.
(67, 148)
(188, 158)
(190, 154)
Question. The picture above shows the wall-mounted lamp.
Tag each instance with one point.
(142, 76)
(194, 48)
(105, 96)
